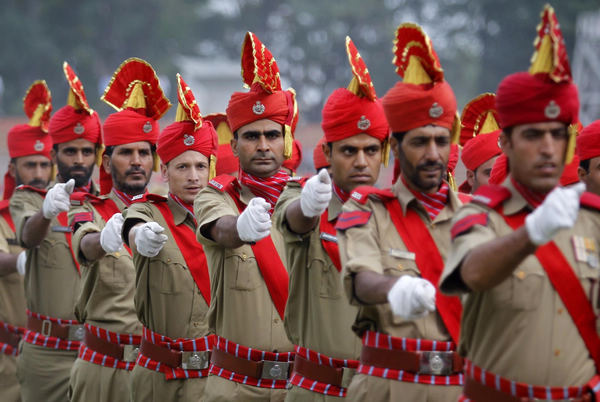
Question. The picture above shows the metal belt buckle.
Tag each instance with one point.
(130, 353)
(195, 360)
(436, 363)
(46, 327)
(76, 332)
(347, 374)
(273, 370)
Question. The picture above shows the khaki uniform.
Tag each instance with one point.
(52, 285)
(105, 301)
(377, 247)
(12, 311)
(167, 301)
(520, 329)
(241, 308)
(318, 315)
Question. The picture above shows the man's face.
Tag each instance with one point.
(481, 175)
(130, 166)
(423, 155)
(259, 145)
(186, 174)
(354, 161)
(75, 160)
(592, 177)
(32, 170)
(536, 154)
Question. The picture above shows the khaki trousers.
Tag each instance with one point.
(94, 383)
(221, 390)
(149, 385)
(299, 394)
(9, 384)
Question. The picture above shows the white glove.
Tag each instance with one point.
(412, 298)
(57, 199)
(21, 261)
(110, 236)
(255, 222)
(316, 194)
(149, 239)
(558, 211)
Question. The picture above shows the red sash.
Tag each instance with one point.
(331, 247)
(192, 251)
(266, 255)
(5, 212)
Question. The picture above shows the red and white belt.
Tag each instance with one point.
(248, 366)
(109, 349)
(419, 361)
(483, 386)
(53, 333)
(179, 358)
(323, 374)
(10, 336)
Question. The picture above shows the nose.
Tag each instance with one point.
(432, 153)
(135, 159)
(263, 143)
(361, 159)
(78, 158)
(548, 144)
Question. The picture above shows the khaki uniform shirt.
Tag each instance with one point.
(167, 298)
(377, 246)
(52, 283)
(108, 284)
(241, 308)
(12, 291)
(520, 329)
(318, 315)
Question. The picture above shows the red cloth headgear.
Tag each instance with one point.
(319, 159)
(588, 142)
(179, 137)
(481, 149)
(569, 174)
(227, 162)
(68, 124)
(294, 162)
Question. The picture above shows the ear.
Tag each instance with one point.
(12, 170)
(582, 174)
(164, 172)
(504, 141)
(106, 163)
(470, 177)
(233, 144)
(53, 156)
(327, 151)
(394, 145)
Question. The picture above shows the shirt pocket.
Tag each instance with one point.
(526, 290)
(120, 272)
(55, 253)
(163, 272)
(242, 270)
(329, 280)
(397, 262)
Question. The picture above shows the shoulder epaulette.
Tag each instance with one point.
(79, 197)
(350, 219)
(362, 193)
(221, 182)
(23, 187)
(464, 197)
(149, 197)
(491, 196)
(299, 179)
(590, 201)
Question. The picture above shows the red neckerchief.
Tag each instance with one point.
(84, 189)
(189, 207)
(533, 198)
(433, 203)
(269, 188)
(126, 198)
(341, 194)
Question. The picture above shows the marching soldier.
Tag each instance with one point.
(393, 243)
(52, 278)
(318, 318)
(173, 287)
(252, 356)
(106, 302)
(529, 325)
(588, 150)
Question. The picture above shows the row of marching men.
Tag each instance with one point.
(262, 286)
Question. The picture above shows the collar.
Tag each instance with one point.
(407, 198)
(334, 209)
(126, 198)
(339, 193)
(516, 202)
(180, 214)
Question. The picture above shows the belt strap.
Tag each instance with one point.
(251, 368)
(161, 354)
(9, 338)
(320, 372)
(426, 362)
(119, 352)
(49, 328)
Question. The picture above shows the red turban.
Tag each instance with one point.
(129, 126)
(346, 114)
(69, 124)
(408, 106)
(480, 149)
(319, 158)
(588, 142)
(179, 137)
(569, 174)
(296, 159)
(227, 162)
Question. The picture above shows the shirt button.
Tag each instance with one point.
(556, 352)
(520, 274)
(168, 260)
(244, 256)
(276, 320)
(560, 311)
(117, 254)
(196, 324)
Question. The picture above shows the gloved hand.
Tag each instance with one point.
(558, 211)
(412, 298)
(110, 236)
(57, 199)
(149, 239)
(255, 222)
(316, 194)
(21, 261)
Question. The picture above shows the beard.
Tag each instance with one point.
(37, 183)
(81, 174)
(120, 182)
(412, 173)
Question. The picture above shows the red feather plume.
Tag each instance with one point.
(188, 102)
(474, 114)
(359, 70)
(130, 72)
(77, 88)
(549, 25)
(411, 40)
(38, 94)
(259, 65)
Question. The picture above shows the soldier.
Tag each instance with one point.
(479, 138)
(588, 150)
(105, 305)
(252, 356)
(52, 278)
(393, 242)
(318, 318)
(173, 287)
(529, 325)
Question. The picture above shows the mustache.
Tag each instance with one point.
(430, 164)
(38, 183)
(135, 170)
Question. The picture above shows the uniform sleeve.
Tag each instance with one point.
(23, 205)
(471, 227)
(359, 246)
(4, 245)
(134, 214)
(209, 206)
(288, 196)
(83, 220)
